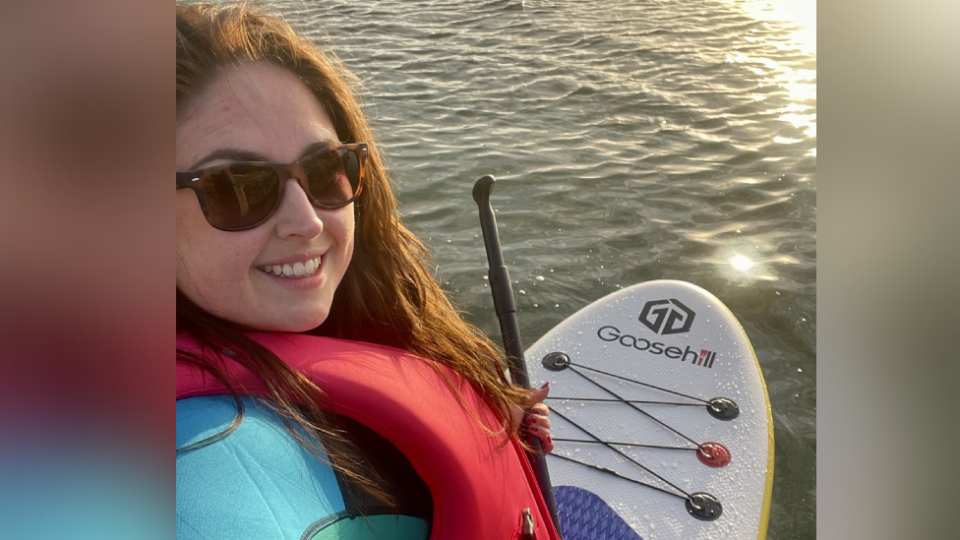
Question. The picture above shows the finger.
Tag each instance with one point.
(540, 409)
(539, 421)
(544, 435)
(540, 394)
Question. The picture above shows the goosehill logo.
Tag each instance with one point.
(667, 317)
(612, 334)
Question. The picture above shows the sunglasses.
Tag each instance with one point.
(241, 196)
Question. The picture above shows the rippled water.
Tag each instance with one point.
(633, 140)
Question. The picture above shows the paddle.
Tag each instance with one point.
(506, 310)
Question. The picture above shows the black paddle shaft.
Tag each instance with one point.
(503, 300)
(506, 310)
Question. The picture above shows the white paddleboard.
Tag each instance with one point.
(689, 349)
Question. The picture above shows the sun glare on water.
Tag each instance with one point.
(795, 22)
(741, 263)
(746, 265)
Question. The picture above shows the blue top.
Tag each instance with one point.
(259, 483)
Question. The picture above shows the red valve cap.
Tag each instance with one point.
(713, 455)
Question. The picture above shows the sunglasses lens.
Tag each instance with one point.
(241, 196)
(333, 177)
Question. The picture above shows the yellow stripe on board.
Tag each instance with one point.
(768, 488)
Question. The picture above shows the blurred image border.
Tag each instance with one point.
(887, 266)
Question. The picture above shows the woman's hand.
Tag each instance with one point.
(536, 418)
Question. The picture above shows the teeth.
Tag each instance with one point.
(296, 270)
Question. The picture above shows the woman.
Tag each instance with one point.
(288, 233)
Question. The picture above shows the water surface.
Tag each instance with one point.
(633, 140)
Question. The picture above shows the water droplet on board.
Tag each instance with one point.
(541, 279)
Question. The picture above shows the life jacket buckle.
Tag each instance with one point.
(527, 525)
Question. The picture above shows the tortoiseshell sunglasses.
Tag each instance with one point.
(241, 196)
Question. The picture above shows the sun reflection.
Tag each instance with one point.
(746, 264)
(801, 13)
(741, 263)
(795, 22)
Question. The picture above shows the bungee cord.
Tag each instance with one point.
(638, 401)
(618, 475)
(618, 451)
(638, 409)
(570, 363)
(700, 505)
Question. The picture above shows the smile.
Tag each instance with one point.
(296, 270)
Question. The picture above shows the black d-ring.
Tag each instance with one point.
(556, 361)
(723, 408)
(704, 507)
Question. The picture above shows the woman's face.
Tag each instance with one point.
(259, 112)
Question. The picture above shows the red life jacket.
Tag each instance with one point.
(480, 488)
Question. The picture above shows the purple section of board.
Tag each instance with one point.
(584, 516)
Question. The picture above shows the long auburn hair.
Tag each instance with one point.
(387, 296)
